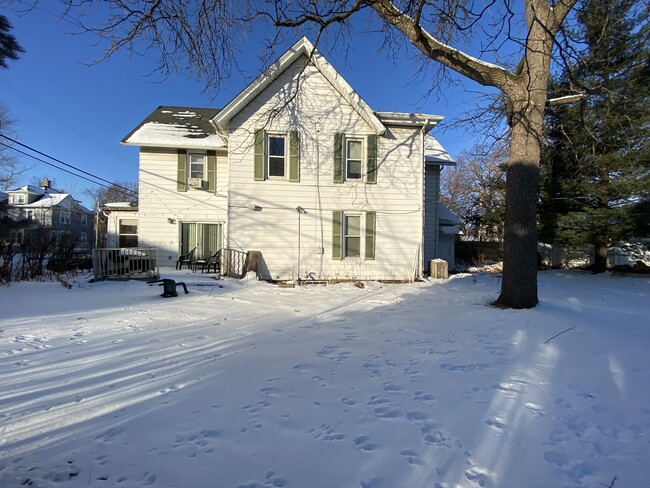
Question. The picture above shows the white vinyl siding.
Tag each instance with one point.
(272, 228)
(161, 207)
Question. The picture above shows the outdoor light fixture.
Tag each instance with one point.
(170, 220)
(300, 210)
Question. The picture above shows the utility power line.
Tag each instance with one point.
(105, 184)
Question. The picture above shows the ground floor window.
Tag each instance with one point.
(353, 235)
(205, 237)
(128, 233)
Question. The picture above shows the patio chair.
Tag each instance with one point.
(213, 261)
(186, 259)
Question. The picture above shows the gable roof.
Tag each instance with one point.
(301, 48)
(29, 188)
(169, 126)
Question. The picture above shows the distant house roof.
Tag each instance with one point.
(434, 153)
(49, 198)
(29, 188)
(177, 127)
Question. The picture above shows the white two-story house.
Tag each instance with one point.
(298, 167)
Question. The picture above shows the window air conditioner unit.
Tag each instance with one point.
(198, 183)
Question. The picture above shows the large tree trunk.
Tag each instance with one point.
(519, 283)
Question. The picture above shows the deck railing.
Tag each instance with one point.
(233, 262)
(125, 262)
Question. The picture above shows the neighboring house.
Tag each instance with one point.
(122, 224)
(53, 210)
(298, 167)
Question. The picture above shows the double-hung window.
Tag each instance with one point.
(353, 235)
(196, 170)
(197, 166)
(277, 155)
(355, 158)
(84, 220)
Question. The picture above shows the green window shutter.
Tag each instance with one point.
(337, 231)
(258, 172)
(181, 179)
(212, 171)
(338, 158)
(371, 169)
(294, 156)
(370, 235)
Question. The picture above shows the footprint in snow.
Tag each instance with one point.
(362, 442)
(411, 456)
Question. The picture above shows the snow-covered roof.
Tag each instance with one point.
(427, 121)
(301, 48)
(177, 127)
(47, 200)
(120, 207)
(434, 153)
(30, 189)
(447, 217)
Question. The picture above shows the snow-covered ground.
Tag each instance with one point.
(242, 383)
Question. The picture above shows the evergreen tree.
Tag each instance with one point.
(9, 47)
(596, 171)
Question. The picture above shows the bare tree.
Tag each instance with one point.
(10, 167)
(475, 191)
(517, 38)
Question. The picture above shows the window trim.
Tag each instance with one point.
(261, 163)
(268, 156)
(367, 235)
(345, 236)
(347, 159)
(204, 164)
(127, 234)
(84, 220)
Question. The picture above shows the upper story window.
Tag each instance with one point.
(18, 198)
(196, 170)
(64, 216)
(197, 166)
(277, 155)
(353, 158)
(84, 220)
(29, 214)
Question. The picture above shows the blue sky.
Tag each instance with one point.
(79, 113)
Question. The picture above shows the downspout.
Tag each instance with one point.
(420, 258)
